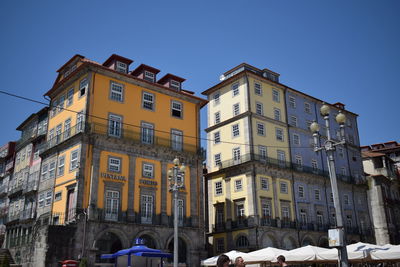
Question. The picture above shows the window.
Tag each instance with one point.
(58, 133)
(283, 186)
(74, 160)
(70, 97)
(147, 133)
(220, 247)
(218, 188)
(296, 139)
(177, 140)
(301, 191)
(44, 172)
(147, 208)
(175, 84)
(260, 128)
(41, 200)
(149, 76)
(112, 205)
(281, 157)
(266, 208)
(314, 165)
(275, 95)
(61, 165)
(235, 130)
(238, 185)
(279, 134)
(299, 161)
(61, 101)
(217, 98)
(257, 88)
(303, 216)
(264, 183)
(217, 117)
(117, 92)
(317, 194)
(277, 114)
(83, 86)
(52, 169)
(242, 242)
(293, 121)
(148, 101)
(307, 107)
(80, 120)
(53, 111)
(235, 89)
(308, 124)
(320, 218)
(57, 196)
(340, 152)
(292, 102)
(236, 109)
(67, 128)
(346, 199)
(176, 109)
(217, 159)
(285, 213)
(349, 221)
(236, 155)
(343, 170)
(262, 151)
(217, 138)
(148, 170)
(259, 108)
(49, 197)
(121, 67)
(331, 198)
(239, 205)
(114, 164)
(114, 125)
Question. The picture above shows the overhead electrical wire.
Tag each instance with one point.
(136, 126)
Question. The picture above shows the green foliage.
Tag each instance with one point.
(83, 263)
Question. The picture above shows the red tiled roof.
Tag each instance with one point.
(170, 76)
(117, 57)
(144, 67)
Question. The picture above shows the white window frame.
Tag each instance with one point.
(74, 160)
(281, 155)
(261, 129)
(238, 185)
(235, 89)
(218, 188)
(147, 133)
(70, 97)
(293, 121)
(114, 164)
(317, 194)
(259, 108)
(52, 169)
(83, 87)
(67, 128)
(147, 170)
(300, 190)
(236, 109)
(264, 182)
(283, 186)
(277, 114)
(217, 98)
(115, 125)
(149, 76)
(217, 138)
(299, 161)
(258, 88)
(176, 140)
(121, 67)
(296, 139)
(275, 95)
(307, 107)
(279, 134)
(61, 165)
(148, 100)
(175, 84)
(235, 130)
(292, 102)
(116, 92)
(49, 198)
(262, 152)
(217, 117)
(314, 164)
(217, 159)
(236, 155)
(176, 106)
(346, 199)
(112, 205)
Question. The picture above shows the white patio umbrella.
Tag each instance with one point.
(385, 253)
(309, 254)
(268, 254)
(233, 254)
(360, 251)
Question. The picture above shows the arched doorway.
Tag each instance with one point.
(288, 243)
(182, 250)
(108, 243)
(268, 240)
(148, 241)
(307, 241)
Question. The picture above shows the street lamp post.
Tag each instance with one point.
(176, 181)
(330, 146)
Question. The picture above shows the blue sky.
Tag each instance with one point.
(338, 51)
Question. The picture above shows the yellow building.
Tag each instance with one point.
(249, 188)
(113, 134)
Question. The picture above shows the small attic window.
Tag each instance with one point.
(121, 67)
(69, 70)
(175, 85)
(149, 76)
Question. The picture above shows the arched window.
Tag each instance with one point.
(108, 243)
(148, 241)
(242, 242)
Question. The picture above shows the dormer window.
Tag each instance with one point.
(121, 67)
(175, 85)
(149, 76)
(69, 70)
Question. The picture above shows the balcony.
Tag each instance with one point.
(14, 190)
(287, 223)
(219, 227)
(239, 223)
(27, 215)
(31, 186)
(63, 218)
(153, 138)
(306, 226)
(268, 221)
(58, 139)
(13, 217)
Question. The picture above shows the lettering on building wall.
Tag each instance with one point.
(113, 176)
(147, 182)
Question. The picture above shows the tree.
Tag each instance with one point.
(83, 262)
